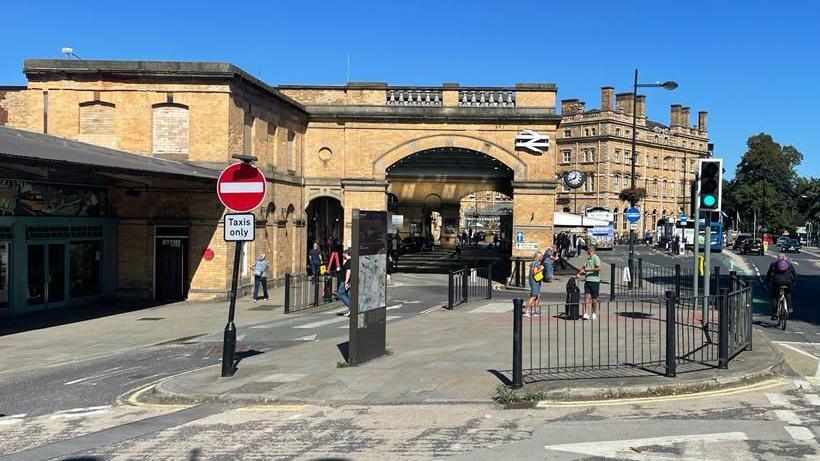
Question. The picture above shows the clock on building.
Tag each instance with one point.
(574, 179)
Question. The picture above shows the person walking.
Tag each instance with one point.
(592, 282)
(315, 259)
(549, 265)
(343, 292)
(536, 275)
(260, 277)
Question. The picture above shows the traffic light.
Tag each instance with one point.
(710, 183)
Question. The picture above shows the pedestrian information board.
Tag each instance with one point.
(239, 227)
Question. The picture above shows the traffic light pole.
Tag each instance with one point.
(695, 239)
(707, 244)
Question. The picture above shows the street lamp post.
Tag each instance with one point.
(668, 85)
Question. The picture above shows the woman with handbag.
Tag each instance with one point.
(536, 276)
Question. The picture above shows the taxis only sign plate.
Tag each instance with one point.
(239, 227)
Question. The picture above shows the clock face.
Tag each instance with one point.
(574, 179)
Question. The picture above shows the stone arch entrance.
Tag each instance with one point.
(325, 216)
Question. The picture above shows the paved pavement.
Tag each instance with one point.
(42, 417)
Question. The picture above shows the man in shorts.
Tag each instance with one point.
(592, 282)
(535, 287)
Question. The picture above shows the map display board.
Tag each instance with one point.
(368, 307)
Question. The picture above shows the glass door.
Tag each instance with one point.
(5, 276)
(46, 274)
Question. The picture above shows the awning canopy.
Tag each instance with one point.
(25, 147)
(561, 219)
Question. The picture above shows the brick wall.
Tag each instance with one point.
(12, 105)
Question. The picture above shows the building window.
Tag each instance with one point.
(663, 187)
(566, 156)
(616, 157)
(655, 161)
(665, 164)
(592, 155)
(617, 131)
(170, 130)
(567, 133)
(85, 268)
(654, 187)
(616, 183)
(97, 124)
(291, 151)
(627, 133)
(593, 132)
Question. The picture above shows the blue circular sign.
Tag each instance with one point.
(632, 214)
(683, 218)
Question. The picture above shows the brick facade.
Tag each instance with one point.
(597, 142)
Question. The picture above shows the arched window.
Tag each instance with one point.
(170, 131)
(97, 123)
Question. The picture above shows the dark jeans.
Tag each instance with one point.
(314, 268)
(776, 297)
(342, 294)
(257, 281)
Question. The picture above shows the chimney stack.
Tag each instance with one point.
(623, 103)
(640, 102)
(684, 117)
(702, 121)
(674, 115)
(572, 106)
(607, 95)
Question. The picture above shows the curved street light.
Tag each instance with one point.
(667, 85)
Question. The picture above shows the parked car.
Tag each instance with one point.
(752, 246)
(782, 240)
(790, 246)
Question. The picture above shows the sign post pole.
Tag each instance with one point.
(241, 187)
(229, 338)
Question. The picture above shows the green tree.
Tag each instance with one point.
(765, 182)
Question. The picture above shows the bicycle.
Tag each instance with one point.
(782, 309)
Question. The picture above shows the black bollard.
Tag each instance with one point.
(518, 317)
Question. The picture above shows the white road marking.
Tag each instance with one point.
(388, 318)
(103, 375)
(80, 412)
(777, 399)
(796, 349)
(12, 419)
(799, 432)
(813, 399)
(493, 308)
(322, 323)
(428, 310)
(788, 417)
(308, 337)
(397, 306)
(616, 448)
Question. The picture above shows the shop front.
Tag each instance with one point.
(57, 247)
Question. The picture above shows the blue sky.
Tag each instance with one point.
(752, 64)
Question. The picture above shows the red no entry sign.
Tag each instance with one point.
(241, 187)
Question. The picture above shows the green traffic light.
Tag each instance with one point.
(709, 200)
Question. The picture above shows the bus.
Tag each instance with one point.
(716, 235)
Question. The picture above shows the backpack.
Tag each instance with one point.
(782, 265)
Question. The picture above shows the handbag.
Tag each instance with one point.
(538, 276)
(322, 269)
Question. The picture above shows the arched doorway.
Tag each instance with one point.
(427, 189)
(324, 222)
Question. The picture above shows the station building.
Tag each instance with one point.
(325, 150)
(153, 228)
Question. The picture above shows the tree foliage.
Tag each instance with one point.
(766, 183)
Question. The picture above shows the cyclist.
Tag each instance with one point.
(781, 274)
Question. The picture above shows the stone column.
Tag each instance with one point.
(533, 212)
(362, 194)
